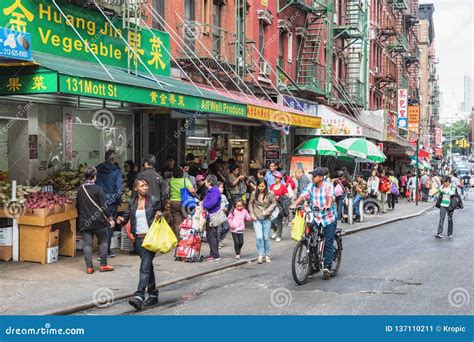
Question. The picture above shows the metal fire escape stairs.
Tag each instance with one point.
(131, 19)
(353, 31)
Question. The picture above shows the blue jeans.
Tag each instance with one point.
(329, 233)
(340, 206)
(262, 236)
(146, 282)
(356, 202)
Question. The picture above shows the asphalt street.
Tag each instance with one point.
(397, 269)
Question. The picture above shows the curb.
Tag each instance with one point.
(92, 305)
(378, 224)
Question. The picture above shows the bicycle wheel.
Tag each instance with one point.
(336, 260)
(300, 265)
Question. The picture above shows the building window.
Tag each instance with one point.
(216, 28)
(290, 47)
(190, 24)
(261, 39)
(159, 6)
(281, 48)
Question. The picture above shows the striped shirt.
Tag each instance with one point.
(320, 197)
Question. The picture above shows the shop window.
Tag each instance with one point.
(216, 28)
(290, 47)
(261, 40)
(190, 23)
(281, 50)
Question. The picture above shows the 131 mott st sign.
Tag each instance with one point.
(78, 33)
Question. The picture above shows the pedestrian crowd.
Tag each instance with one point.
(231, 201)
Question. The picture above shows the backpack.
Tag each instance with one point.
(385, 185)
(394, 189)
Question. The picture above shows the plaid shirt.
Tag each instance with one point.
(318, 198)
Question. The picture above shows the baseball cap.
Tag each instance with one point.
(319, 171)
(278, 174)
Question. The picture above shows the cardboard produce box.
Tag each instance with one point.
(53, 254)
(53, 239)
(69, 206)
(40, 212)
(6, 236)
(6, 253)
(58, 209)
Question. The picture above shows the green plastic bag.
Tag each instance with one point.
(297, 226)
(160, 238)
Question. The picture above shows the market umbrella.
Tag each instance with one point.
(361, 148)
(317, 146)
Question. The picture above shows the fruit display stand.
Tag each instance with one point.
(34, 235)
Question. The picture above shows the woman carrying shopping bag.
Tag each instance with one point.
(281, 195)
(215, 216)
(180, 207)
(446, 192)
(261, 205)
(141, 212)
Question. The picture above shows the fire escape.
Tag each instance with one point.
(314, 64)
(353, 33)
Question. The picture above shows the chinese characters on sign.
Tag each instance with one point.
(28, 83)
(402, 102)
(438, 135)
(413, 118)
(285, 118)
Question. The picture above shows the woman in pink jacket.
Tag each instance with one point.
(237, 219)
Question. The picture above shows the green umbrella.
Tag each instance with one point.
(361, 148)
(317, 146)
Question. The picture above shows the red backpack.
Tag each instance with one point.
(385, 185)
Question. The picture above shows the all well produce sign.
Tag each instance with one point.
(55, 33)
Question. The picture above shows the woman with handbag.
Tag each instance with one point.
(446, 192)
(281, 195)
(340, 190)
(94, 219)
(373, 184)
(261, 205)
(215, 216)
(237, 184)
(182, 200)
(141, 212)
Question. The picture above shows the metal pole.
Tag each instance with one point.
(416, 166)
(16, 235)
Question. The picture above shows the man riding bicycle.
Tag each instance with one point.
(320, 197)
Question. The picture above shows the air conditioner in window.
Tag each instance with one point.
(265, 69)
(376, 70)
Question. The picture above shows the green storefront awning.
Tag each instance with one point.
(87, 79)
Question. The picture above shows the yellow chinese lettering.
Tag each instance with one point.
(181, 101)
(38, 83)
(14, 84)
(163, 98)
(156, 53)
(18, 13)
(154, 96)
(135, 43)
(172, 99)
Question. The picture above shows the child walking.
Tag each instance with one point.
(236, 220)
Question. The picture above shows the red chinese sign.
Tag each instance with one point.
(402, 102)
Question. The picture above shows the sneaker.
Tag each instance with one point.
(450, 236)
(136, 302)
(237, 256)
(278, 239)
(212, 259)
(106, 268)
(267, 259)
(274, 235)
(326, 273)
(112, 255)
(259, 259)
(90, 270)
(439, 236)
(150, 301)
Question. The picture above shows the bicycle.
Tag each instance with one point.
(309, 251)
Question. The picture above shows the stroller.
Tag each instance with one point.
(189, 247)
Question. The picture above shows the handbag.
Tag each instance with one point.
(188, 201)
(107, 223)
(438, 201)
(274, 214)
(217, 218)
(455, 202)
(394, 189)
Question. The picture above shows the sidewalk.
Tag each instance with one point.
(34, 289)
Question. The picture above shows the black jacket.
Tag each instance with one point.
(90, 217)
(109, 178)
(155, 183)
(152, 205)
